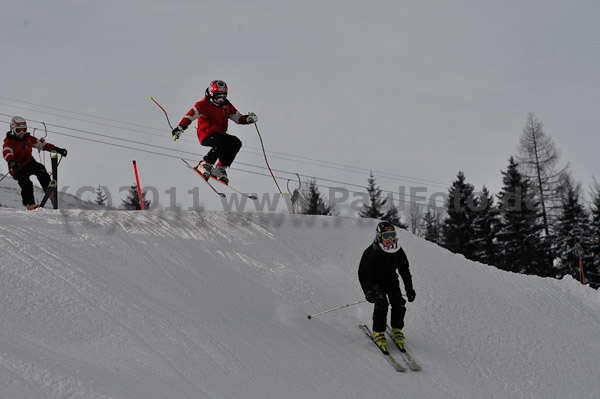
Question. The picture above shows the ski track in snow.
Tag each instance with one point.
(116, 304)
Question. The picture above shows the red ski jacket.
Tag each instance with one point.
(212, 118)
(19, 150)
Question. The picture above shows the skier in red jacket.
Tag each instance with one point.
(21, 164)
(213, 113)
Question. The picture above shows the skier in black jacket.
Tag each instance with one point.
(379, 281)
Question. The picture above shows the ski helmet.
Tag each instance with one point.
(386, 237)
(18, 123)
(217, 92)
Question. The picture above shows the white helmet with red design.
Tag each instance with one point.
(217, 92)
(18, 125)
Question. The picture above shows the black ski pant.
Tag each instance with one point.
(23, 177)
(224, 148)
(388, 294)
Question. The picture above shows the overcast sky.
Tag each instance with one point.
(415, 91)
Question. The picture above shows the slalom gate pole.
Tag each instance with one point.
(54, 160)
(310, 316)
(267, 162)
(137, 179)
(163, 110)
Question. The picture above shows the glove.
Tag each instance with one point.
(410, 295)
(251, 118)
(178, 131)
(13, 166)
(371, 296)
(60, 151)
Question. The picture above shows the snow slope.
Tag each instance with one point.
(119, 304)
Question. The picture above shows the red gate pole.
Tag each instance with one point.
(137, 179)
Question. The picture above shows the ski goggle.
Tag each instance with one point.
(219, 98)
(388, 235)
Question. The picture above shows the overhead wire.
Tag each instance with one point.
(341, 166)
(347, 168)
(330, 187)
(345, 184)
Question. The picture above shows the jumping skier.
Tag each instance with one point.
(17, 148)
(213, 113)
(379, 281)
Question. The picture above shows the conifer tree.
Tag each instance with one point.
(392, 215)
(572, 237)
(485, 227)
(519, 235)
(132, 202)
(538, 160)
(313, 202)
(376, 203)
(432, 226)
(594, 269)
(458, 231)
(100, 196)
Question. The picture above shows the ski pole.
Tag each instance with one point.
(4, 176)
(267, 162)
(163, 110)
(310, 316)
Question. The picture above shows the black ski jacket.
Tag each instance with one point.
(377, 269)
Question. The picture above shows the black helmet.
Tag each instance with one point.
(387, 237)
(217, 92)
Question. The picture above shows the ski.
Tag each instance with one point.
(252, 197)
(48, 193)
(397, 366)
(410, 362)
(220, 194)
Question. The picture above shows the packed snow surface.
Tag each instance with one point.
(117, 304)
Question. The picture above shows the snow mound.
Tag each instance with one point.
(10, 196)
(118, 304)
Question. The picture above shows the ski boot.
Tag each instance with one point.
(205, 169)
(380, 341)
(398, 338)
(220, 173)
(31, 207)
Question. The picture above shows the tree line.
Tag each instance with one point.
(539, 223)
